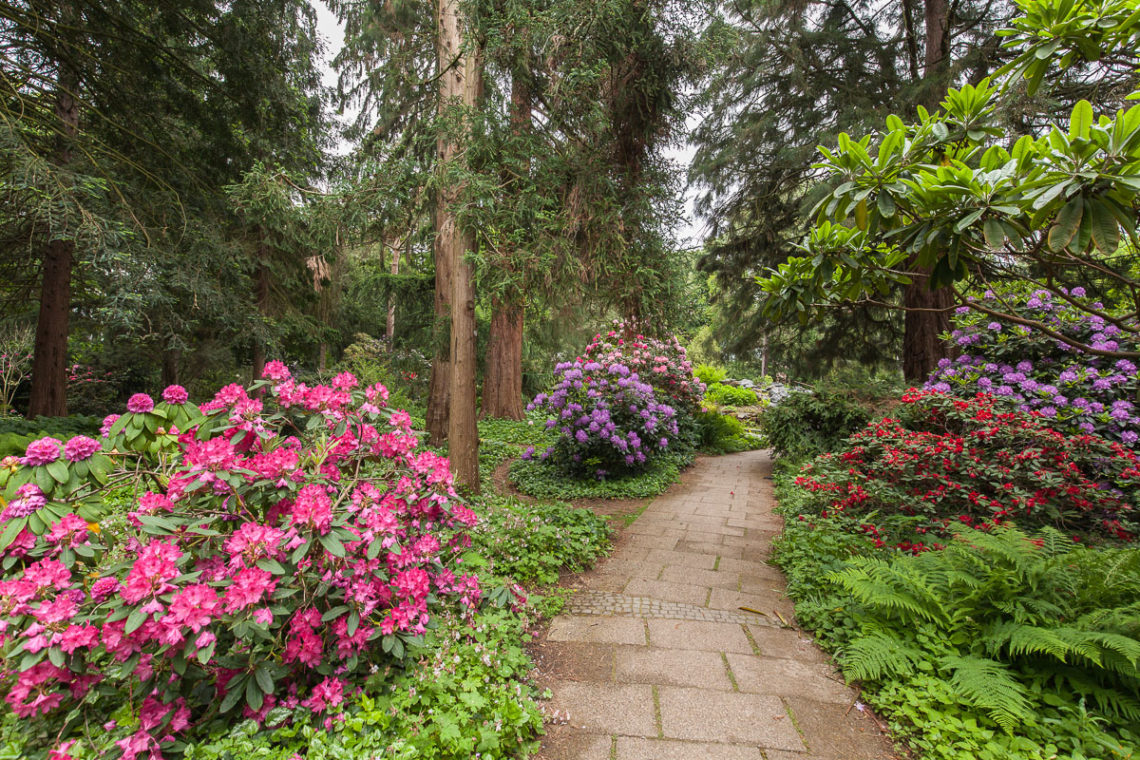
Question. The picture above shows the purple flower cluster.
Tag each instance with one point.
(608, 417)
(1077, 391)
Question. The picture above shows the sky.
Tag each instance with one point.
(690, 230)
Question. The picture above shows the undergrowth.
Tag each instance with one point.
(543, 481)
(1002, 646)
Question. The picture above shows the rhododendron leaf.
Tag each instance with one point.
(332, 544)
(119, 425)
(234, 695)
(58, 470)
(388, 642)
(11, 530)
(135, 620)
(205, 653)
(37, 525)
(374, 548)
(334, 613)
(264, 679)
(84, 550)
(299, 553)
(31, 658)
(272, 566)
(159, 525)
(353, 622)
(44, 480)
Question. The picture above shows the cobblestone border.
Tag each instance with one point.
(610, 603)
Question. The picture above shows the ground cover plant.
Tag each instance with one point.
(1020, 365)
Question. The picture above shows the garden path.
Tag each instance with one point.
(655, 657)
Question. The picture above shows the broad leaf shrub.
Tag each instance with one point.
(945, 461)
(809, 423)
(291, 540)
(610, 420)
(730, 395)
(663, 364)
(1003, 646)
(16, 432)
(1079, 392)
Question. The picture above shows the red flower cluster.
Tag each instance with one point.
(955, 460)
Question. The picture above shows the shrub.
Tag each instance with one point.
(662, 364)
(708, 374)
(730, 395)
(287, 542)
(948, 461)
(609, 419)
(1028, 370)
(16, 432)
(722, 434)
(805, 424)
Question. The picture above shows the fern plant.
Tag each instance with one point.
(1004, 619)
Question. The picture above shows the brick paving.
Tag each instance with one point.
(683, 645)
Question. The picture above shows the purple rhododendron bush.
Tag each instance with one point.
(287, 541)
(619, 405)
(1024, 367)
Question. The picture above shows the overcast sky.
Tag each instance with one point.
(689, 231)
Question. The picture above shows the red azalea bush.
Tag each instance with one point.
(950, 460)
(661, 363)
(292, 539)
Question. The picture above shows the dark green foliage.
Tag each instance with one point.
(531, 543)
(723, 434)
(16, 432)
(807, 423)
(1001, 646)
(536, 478)
(708, 374)
(730, 395)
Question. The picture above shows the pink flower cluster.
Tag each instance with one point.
(267, 540)
(661, 363)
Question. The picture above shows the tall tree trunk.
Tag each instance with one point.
(171, 366)
(439, 388)
(911, 38)
(502, 382)
(261, 298)
(928, 311)
(49, 364)
(459, 86)
(390, 324)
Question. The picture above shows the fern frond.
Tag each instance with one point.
(896, 587)
(989, 685)
(1018, 639)
(872, 657)
(1108, 699)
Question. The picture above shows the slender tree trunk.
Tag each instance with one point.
(928, 311)
(502, 383)
(439, 388)
(49, 364)
(261, 298)
(911, 38)
(171, 366)
(459, 86)
(390, 325)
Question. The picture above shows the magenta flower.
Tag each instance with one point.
(80, 448)
(140, 403)
(43, 451)
(175, 394)
(29, 498)
(275, 370)
(108, 423)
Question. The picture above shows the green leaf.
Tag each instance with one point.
(994, 234)
(135, 620)
(264, 679)
(11, 530)
(861, 214)
(233, 696)
(886, 204)
(1067, 223)
(1105, 232)
(271, 566)
(1081, 120)
(58, 470)
(332, 544)
(119, 425)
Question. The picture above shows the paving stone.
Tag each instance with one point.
(710, 637)
(567, 743)
(702, 547)
(768, 603)
(578, 661)
(591, 602)
(623, 709)
(789, 678)
(707, 578)
(786, 643)
(652, 542)
(599, 630)
(686, 559)
(703, 715)
(671, 667)
(834, 733)
(670, 592)
(629, 748)
(762, 583)
(727, 564)
(611, 583)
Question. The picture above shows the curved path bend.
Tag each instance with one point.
(682, 645)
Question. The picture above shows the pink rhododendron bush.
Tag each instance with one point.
(287, 540)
